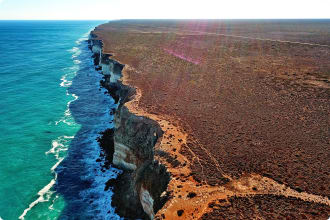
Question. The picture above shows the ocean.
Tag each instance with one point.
(52, 110)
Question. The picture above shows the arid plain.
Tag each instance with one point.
(244, 106)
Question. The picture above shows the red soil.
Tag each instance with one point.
(243, 113)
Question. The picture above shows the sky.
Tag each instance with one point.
(145, 9)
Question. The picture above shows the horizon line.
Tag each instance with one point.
(165, 19)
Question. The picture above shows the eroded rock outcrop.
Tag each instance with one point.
(140, 191)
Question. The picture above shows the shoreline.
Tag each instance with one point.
(83, 164)
(117, 153)
(191, 203)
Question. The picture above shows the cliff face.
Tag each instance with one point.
(140, 191)
(237, 116)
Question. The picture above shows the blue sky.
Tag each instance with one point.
(119, 9)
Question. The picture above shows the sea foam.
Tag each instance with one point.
(61, 144)
(99, 200)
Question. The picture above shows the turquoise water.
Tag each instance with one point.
(44, 66)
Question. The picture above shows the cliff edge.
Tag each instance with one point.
(140, 191)
(214, 122)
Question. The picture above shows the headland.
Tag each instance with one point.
(218, 119)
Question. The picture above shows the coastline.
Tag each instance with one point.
(81, 176)
(168, 149)
(140, 169)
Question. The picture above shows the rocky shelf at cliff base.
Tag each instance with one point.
(140, 191)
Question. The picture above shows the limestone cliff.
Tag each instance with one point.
(141, 190)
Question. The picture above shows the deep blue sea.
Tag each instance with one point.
(52, 109)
